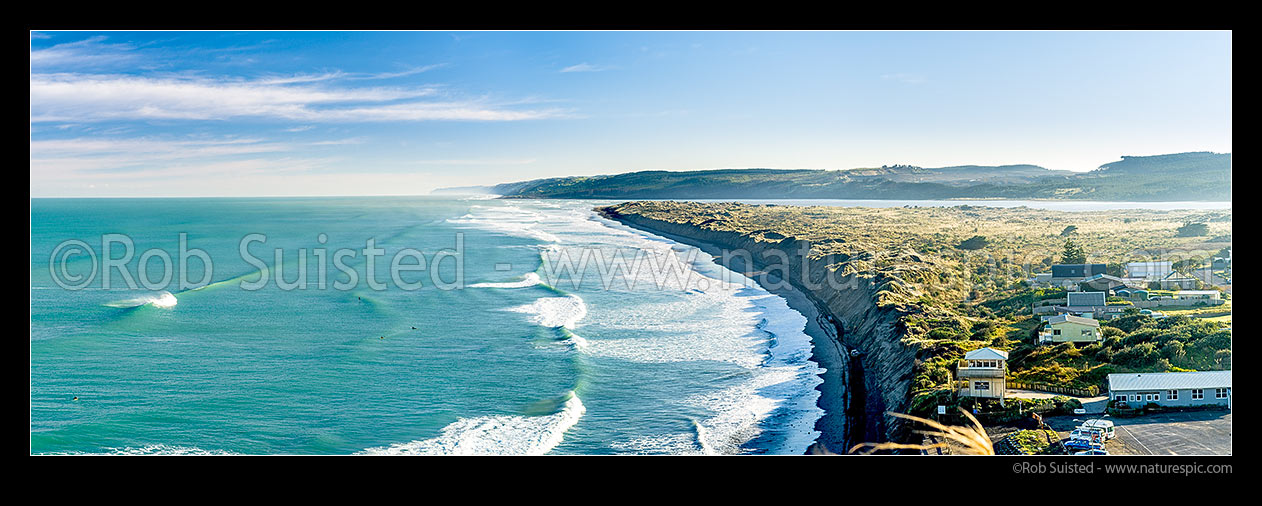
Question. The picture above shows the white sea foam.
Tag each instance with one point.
(160, 299)
(666, 444)
(495, 435)
(555, 312)
(155, 449)
(530, 279)
(577, 342)
(701, 318)
(509, 220)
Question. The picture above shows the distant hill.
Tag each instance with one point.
(1185, 176)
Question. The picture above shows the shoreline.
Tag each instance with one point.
(825, 349)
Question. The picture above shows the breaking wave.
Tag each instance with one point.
(496, 435)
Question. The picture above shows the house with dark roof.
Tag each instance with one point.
(1107, 283)
(1177, 281)
(1075, 272)
(1088, 305)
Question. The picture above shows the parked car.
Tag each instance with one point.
(1093, 451)
(1083, 445)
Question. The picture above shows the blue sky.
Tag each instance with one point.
(387, 113)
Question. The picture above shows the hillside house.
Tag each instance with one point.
(1149, 271)
(1177, 281)
(1070, 329)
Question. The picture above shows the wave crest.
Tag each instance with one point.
(161, 299)
(530, 279)
(495, 435)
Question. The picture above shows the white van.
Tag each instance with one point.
(1103, 426)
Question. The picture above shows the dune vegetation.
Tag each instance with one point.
(959, 277)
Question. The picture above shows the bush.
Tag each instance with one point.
(973, 243)
(1193, 230)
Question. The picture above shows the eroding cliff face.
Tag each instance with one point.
(860, 300)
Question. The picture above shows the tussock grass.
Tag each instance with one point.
(971, 437)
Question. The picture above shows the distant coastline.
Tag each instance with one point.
(1195, 177)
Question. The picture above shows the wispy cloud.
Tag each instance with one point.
(587, 67)
(95, 97)
(402, 73)
(89, 52)
(91, 154)
(349, 76)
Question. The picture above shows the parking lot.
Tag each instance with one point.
(1190, 433)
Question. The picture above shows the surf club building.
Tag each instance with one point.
(981, 374)
(1171, 389)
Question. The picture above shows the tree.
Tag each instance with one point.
(1187, 265)
(1113, 269)
(1074, 254)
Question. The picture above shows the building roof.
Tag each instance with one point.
(1076, 270)
(986, 354)
(1085, 299)
(1062, 318)
(1175, 276)
(1169, 380)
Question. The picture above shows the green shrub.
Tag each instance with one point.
(973, 243)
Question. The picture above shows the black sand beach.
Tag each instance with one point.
(827, 352)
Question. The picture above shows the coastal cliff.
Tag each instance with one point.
(859, 309)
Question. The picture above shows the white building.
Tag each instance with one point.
(1179, 389)
(981, 374)
(1151, 271)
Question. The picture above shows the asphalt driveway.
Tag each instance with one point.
(1190, 433)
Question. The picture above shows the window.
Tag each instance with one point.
(1198, 394)
(1121, 398)
(981, 385)
(1087, 333)
(1056, 332)
(1172, 395)
(1220, 393)
(1150, 397)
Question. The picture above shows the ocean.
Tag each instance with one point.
(505, 342)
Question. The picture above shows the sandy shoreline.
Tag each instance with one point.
(826, 351)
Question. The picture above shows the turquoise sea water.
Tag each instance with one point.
(521, 360)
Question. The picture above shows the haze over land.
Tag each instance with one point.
(1177, 177)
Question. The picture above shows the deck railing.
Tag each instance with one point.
(1091, 391)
